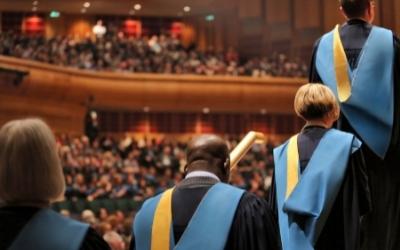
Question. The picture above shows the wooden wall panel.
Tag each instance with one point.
(250, 8)
(331, 15)
(307, 13)
(278, 11)
(52, 91)
(397, 16)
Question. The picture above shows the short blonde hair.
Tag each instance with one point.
(316, 101)
(30, 169)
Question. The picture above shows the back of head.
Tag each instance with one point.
(354, 8)
(30, 170)
(315, 102)
(209, 153)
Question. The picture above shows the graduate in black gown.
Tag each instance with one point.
(341, 228)
(254, 226)
(31, 178)
(381, 227)
(14, 218)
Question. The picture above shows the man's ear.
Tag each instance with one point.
(185, 169)
(227, 164)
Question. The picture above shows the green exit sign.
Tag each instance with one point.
(54, 14)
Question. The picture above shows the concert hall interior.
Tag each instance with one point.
(137, 92)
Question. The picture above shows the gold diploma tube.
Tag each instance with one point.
(244, 146)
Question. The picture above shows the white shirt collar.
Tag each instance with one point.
(200, 173)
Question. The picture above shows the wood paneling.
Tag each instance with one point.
(278, 11)
(47, 86)
(250, 9)
(331, 14)
(306, 13)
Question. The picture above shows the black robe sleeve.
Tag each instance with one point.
(93, 241)
(394, 149)
(342, 228)
(313, 75)
(255, 226)
(356, 200)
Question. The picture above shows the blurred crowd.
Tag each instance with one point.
(109, 168)
(127, 168)
(155, 54)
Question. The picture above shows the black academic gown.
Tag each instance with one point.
(13, 219)
(254, 226)
(342, 228)
(382, 226)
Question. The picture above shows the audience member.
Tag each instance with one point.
(157, 54)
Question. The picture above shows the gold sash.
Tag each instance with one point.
(341, 68)
(161, 229)
(292, 165)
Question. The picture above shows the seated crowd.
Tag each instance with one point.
(136, 170)
(156, 54)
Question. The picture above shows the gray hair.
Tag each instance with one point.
(30, 168)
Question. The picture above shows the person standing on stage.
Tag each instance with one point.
(360, 63)
(320, 187)
(203, 212)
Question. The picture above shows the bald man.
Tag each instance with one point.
(203, 212)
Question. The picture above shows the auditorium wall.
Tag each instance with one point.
(63, 96)
(253, 27)
(257, 27)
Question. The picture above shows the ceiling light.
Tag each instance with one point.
(206, 110)
(263, 111)
(186, 9)
(83, 10)
(35, 3)
(137, 6)
(34, 8)
(86, 4)
(132, 12)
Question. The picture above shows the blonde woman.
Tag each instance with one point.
(320, 188)
(31, 178)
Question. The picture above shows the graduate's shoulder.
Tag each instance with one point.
(253, 206)
(347, 137)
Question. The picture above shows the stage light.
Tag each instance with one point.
(54, 14)
(206, 110)
(210, 18)
(137, 6)
(263, 111)
(186, 9)
(86, 4)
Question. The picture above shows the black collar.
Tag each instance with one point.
(356, 21)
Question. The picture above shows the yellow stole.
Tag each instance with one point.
(292, 165)
(341, 67)
(161, 229)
